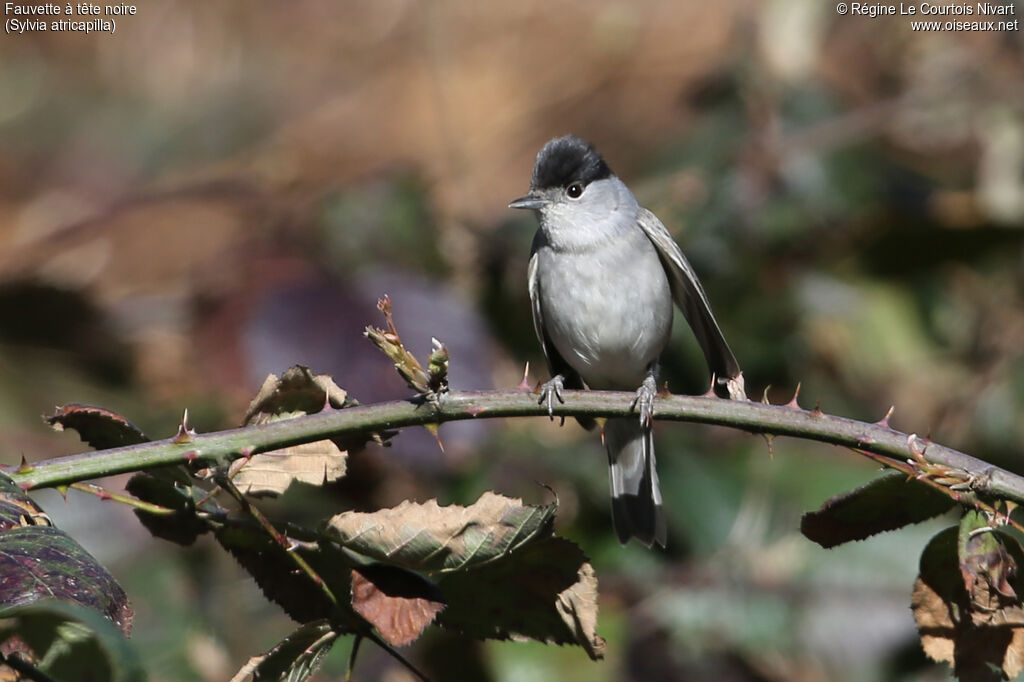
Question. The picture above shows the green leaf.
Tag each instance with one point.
(71, 643)
(889, 502)
(281, 581)
(41, 562)
(297, 656)
(17, 509)
(172, 488)
(545, 591)
(437, 366)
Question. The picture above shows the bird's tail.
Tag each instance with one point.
(636, 499)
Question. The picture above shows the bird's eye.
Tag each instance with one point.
(574, 190)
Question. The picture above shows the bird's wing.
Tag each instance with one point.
(556, 363)
(690, 297)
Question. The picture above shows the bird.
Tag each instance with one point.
(603, 275)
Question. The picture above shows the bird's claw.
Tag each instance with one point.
(644, 400)
(549, 391)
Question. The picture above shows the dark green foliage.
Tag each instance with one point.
(889, 502)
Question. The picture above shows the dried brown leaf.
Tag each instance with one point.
(934, 622)
(295, 393)
(961, 604)
(99, 427)
(398, 603)
(503, 574)
(577, 605)
(271, 473)
(427, 536)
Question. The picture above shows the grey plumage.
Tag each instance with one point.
(603, 275)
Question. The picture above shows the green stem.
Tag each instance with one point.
(105, 494)
(782, 420)
(227, 484)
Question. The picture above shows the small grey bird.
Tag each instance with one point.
(603, 275)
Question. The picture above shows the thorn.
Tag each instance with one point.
(884, 421)
(247, 451)
(25, 466)
(475, 410)
(103, 495)
(524, 385)
(816, 412)
(191, 456)
(63, 490)
(294, 543)
(435, 431)
(549, 489)
(236, 465)
(768, 438)
(764, 396)
(711, 389)
(327, 403)
(917, 452)
(796, 394)
(185, 434)
(664, 392)
(1010, 506)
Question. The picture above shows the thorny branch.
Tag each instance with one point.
(959, 474)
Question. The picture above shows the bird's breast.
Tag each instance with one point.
(607, 309)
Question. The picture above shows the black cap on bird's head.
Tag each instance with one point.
(562, 162)
(565, 160)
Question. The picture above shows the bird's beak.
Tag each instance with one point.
(533, 201)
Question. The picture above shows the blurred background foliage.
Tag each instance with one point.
(221, 190)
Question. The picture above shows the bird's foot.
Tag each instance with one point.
(549, 391)
(644, 400)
